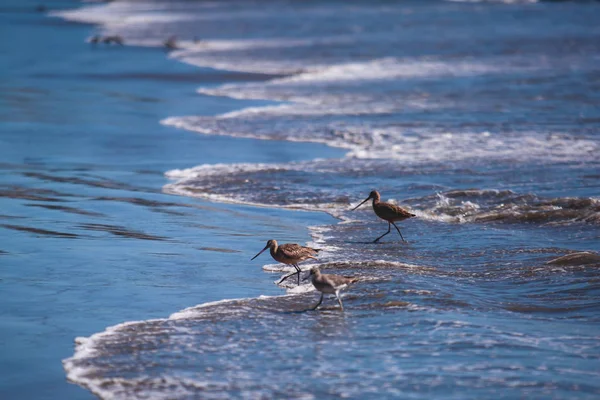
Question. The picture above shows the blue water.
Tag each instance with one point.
(138, 183)
(83, 154)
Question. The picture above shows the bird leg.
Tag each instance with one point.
(337, 295)
(285, 277)
(319, 303)
(298, 270)
(389, 230)
(399, 232)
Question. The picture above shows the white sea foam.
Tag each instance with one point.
(305, 267)
(462, 206)
(84, 373)
(320, 85)
(334, 88)
(410, 146)
(205, 170)
(201, 309)
(188, 182)
(325, 89)
(304, 287)
(393, 68)
(86, 348)
(181, 189)
(378, 263)
(458, 146)
(320, 238)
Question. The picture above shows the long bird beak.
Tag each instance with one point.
(363, 202)
(259, 253)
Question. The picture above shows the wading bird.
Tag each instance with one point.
(290, 254)
(171, 43)
(388, 212)
(328, 283)
(116, 39)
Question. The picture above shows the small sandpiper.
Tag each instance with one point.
(171, 43)
(116, 39)
(329, 283)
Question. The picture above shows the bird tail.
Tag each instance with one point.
(353, 279)
(316, 251)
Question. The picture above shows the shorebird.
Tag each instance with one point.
(290, 254)
(387, 211)
(94, 39)
(171, 43)
(113, 39)
(328, 283)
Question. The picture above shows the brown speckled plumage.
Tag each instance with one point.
(290, 253)
(387, 211)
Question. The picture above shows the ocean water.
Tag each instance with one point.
(481, 118)
(88, 238)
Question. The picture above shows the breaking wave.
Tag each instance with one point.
(295, 186)
(478, 131)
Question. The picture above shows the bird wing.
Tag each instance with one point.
(394, 210)
(338, 280)
(295, 251)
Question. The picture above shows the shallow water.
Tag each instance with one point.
(88, 238)
(481, 118)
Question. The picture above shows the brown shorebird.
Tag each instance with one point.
(94, 39)
(328, 283)
(388, 212)
(290, 254)
(116, 39)
(171, 43)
